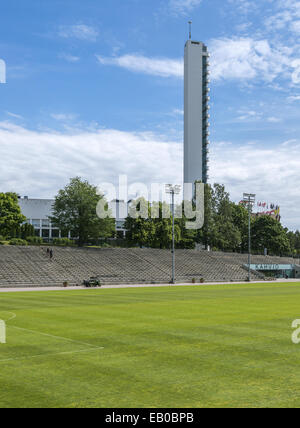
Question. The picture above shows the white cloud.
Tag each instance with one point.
(163, 67)
(296, 73)
(179, 112)
(183, 6)
(14, 115)
(64, 117)
(271, 173)
(69, 57)
(293, 98)
(247, 59)
(2, 71)
(237, 59)
(295, 26)
(244, 6)
(249, 115)
(286, 17)
(39, 163)
(79, 31)
(273, 119)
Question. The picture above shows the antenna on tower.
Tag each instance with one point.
(190, 28)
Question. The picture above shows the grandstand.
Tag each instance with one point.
(31, 267)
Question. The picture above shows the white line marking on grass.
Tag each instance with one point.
(50, 355)
(12, 313)
(54, 337)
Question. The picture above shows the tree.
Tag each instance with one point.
(269, 233)
(184, 238)
(294, 239)
(74, 210)
(240, 218)
(225, 234)
(26, 230)
(163, 227)
(145, 229)
(139, 225)
(11, 216)
(207, 233)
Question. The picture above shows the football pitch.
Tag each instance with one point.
(198, 346)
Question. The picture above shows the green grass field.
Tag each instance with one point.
(201, 346)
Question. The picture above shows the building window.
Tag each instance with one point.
(45, 233)
(36, 223)
(45, 223)
(55, 233)
(120, 224)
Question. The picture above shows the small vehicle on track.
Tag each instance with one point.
(93, 282)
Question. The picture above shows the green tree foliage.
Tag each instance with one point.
(225, 228)
(240, 219)
(163, 227)
(74, 210)
(225, 234)
(140, 229)
(185, 238)
(294, 239)
(206, 234)
(26, 230)
(155, 230)
(11, 216)
(269, 233)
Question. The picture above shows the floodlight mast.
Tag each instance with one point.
(173, 190)
(249, 199)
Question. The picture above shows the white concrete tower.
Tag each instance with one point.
(196, 112)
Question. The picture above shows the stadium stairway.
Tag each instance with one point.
(31, 267)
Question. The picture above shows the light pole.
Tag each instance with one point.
(249, 199)
(173, 190)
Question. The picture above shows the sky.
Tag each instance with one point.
(95, 89)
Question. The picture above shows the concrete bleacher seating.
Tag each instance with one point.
(31, 267)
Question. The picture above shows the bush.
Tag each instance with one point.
(64, 242)
(17, 241)
(2, 240)
(26, 230)
(34, 240)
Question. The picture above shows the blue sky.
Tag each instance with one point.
(95, 89)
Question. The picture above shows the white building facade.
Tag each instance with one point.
(39, 211)
(196, 112)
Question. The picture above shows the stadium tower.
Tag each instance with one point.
(196, 111)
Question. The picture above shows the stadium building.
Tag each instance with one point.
(196, 112)
(39, 211)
